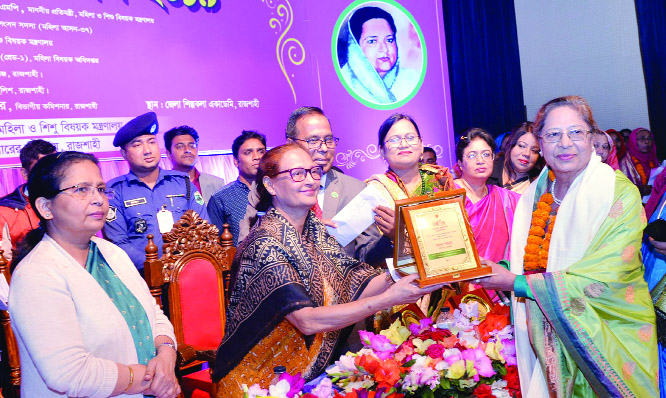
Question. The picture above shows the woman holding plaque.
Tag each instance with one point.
(293, 288)
(489, 207)
(401, 146)
(583, 317)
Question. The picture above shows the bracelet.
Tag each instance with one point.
(172, 345)
(131, 379)
(389, 278)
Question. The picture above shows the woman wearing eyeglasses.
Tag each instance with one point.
(583, 317)
(293, 288)
(401, 147)
(85, 322)
(489, 207)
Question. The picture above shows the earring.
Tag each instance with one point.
(541, 153)
(47, 215)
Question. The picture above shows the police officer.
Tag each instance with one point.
(148, 199)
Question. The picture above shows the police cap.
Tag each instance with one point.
(140, 125)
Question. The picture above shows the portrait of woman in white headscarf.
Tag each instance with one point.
(371, 62)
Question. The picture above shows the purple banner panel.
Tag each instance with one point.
(73, 71)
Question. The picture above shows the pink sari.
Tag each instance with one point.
(491, 219)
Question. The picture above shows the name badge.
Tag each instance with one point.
(165, 220)
(135, 202)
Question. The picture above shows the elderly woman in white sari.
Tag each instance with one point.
(584, 319)
(372, 69)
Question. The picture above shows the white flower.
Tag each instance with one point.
(499, 389)
(280, 389)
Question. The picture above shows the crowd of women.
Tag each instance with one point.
(559, 200)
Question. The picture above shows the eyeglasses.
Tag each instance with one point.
(299, 174)
(87, 191)
(395, 141)
(315, 143)
(556, 135)
(485, 155)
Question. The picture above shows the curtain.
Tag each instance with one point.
(484, 65)
(651, 16)
(218, 165)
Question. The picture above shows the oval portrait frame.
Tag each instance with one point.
(344, 16)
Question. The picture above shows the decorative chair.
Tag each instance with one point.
(10, 351)
(193, 269)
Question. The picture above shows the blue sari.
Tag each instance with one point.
(655, 270)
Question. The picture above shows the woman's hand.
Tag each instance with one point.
(659, 246)
(160, 372)
(385, 220)
(502, 279)
(407, 291)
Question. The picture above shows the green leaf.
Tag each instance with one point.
(409, 364)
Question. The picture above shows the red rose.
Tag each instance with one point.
(440, 335)
(435, 351)
(483, 391)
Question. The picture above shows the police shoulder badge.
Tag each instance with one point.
(198, 198)
(111, 214)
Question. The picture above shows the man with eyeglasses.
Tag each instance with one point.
(310, 128)
(148, 199)
(182, 146)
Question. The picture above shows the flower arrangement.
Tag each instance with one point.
(462, 357)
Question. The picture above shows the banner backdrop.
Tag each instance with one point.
(73, 71)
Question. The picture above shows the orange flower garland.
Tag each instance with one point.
(641, 170)
(538, 241)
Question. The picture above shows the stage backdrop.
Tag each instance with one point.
(73, 71)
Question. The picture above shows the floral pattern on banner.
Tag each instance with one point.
(462, 357)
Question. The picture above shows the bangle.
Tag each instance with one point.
(131, 379)
(389, 278)
(172, 345)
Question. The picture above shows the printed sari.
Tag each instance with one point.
(591, 329)
(277, 271)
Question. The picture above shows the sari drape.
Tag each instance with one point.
(591, 328)
(126, 303)
(655, 273)
(276, 271)
(491, 219)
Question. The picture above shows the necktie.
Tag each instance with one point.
(317, 210)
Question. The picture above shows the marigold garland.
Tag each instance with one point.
(641, 170)
(538, 241)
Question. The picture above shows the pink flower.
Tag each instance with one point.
(381, 345)
(453, 355)
(482, 363)
(424, 324)
(296, 383)
(509, 352)
(324, 389)
(435, 351)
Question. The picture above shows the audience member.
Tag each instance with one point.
(625, 134)
(182, 146)
(228, 205)
(489, 207)
(148, 200)
(429, 156)
(15, 210)
(641, 158)
(85, 322)
(521, 162)
(293, 289)
(582, 312)
(604, 146)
